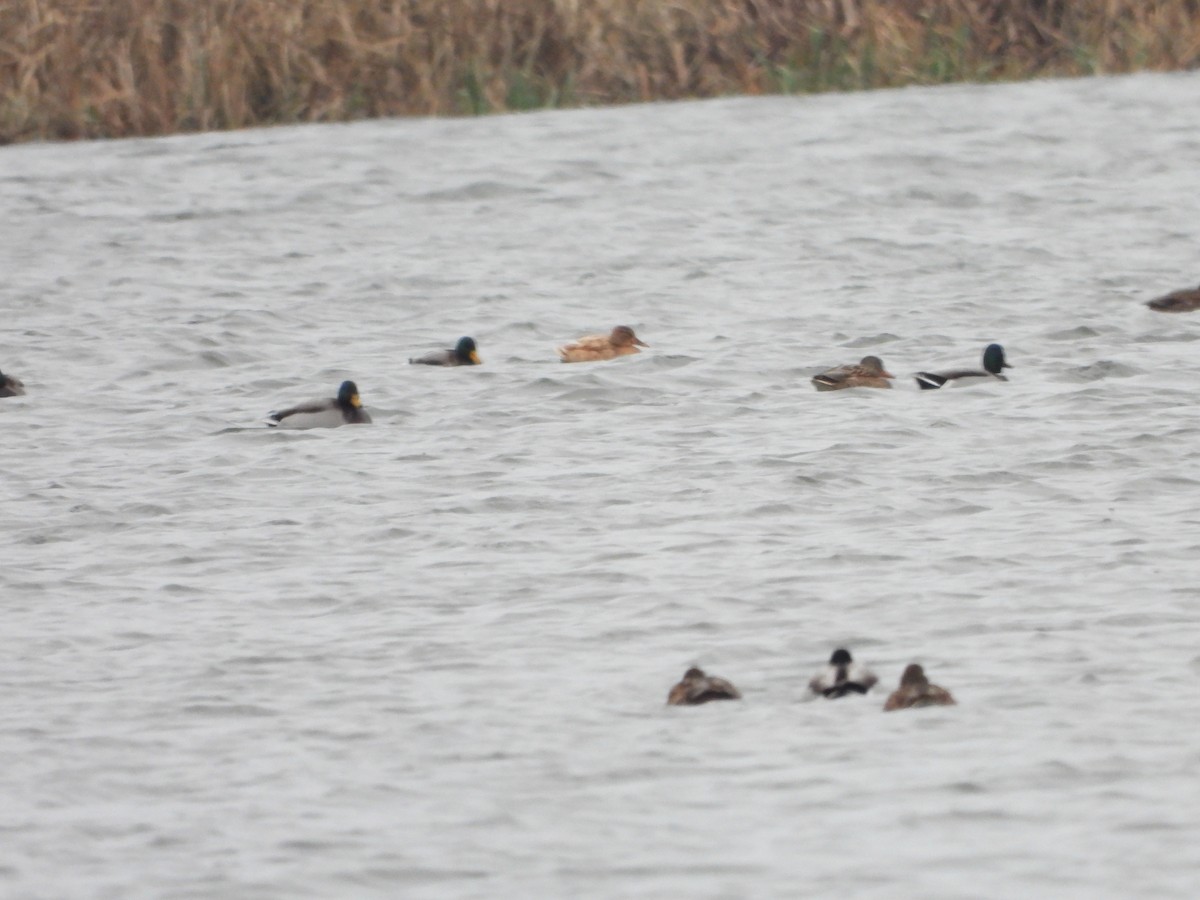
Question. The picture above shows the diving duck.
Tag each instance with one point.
(993, 362)
(10, 386)
(868, 373)
(1186, 300)
(462, 354)
(842, 676)
(696, 688)
(915, 690)
(621, 342)
(344, 409)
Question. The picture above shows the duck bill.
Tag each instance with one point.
(355, 401)
(640, 342)
(475, 358)
(886, 374)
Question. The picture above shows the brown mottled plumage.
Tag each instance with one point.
(696, 688)
(621, 342)
(915, 690)
(1186, 300)
(868, 373)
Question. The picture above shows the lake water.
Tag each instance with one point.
(429, 657)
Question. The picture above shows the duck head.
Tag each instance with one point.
(914, 676)
(874, 365)
(993, 359)
(348, 395)
(466, 353)
(623, 336)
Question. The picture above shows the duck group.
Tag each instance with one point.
(842, 676)
(869, 372)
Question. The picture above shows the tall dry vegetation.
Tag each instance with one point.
(108, 68)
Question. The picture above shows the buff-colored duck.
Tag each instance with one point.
(620, 342)
(10, 386)
(915, 690)
(1187, 300)
(696, 688)
(842, 676)
(868, 373)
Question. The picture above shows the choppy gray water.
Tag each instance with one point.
(429, 657)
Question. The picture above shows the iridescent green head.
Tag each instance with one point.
(993, 359)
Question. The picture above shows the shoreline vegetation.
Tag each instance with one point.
(72, 69)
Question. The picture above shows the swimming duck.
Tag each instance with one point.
(915, 690)
(11, 387)
(344, 409)
(621, 342)
(842, 676)
(463, 354)
(1177, 301)
(993, 362)
(868, 373)
(696, 688)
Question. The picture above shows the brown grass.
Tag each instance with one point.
(113, 68)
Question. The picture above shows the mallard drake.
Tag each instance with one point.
(462, 354)
(344, 409)
(1186, 300)
(10, 386)
(868, 373)
(696, 688)
(993, 362)
(915, 690)
(842, 676)
(620, 342)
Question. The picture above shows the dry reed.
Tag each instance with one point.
(113, 68)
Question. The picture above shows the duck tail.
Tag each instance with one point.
(929, 381)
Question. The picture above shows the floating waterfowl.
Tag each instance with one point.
(842, 676)
(620, 342)
(993, 362)
(1187, 300)
(10, 386)
(462, 354)
(868, 373)
(696, 688)
(915, 690)
(344, 409)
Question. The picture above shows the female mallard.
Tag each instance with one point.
(915, 690)
(621, 342)
(696, 688)
(842, 676)
(868, 373)
(344, 409)
(463, 354)
(1177, 301)
(993, 362)
(11, 387)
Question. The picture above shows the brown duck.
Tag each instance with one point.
(915, 690)
(1186, 300)
(696, 688)
(868, 373)
(620, 342)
